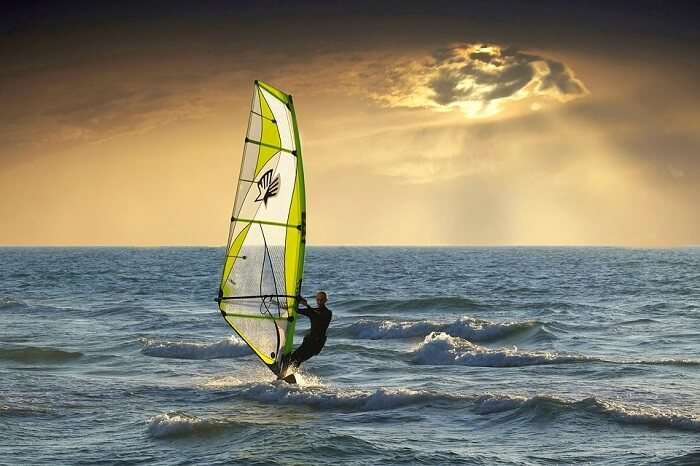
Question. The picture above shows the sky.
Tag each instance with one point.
(422, 123)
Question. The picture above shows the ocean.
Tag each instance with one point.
(476, 356)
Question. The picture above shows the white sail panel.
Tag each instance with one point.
(254, 127)
(283, 119)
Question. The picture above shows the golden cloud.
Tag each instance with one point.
(478, 79)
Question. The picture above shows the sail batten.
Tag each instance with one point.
(263, 267)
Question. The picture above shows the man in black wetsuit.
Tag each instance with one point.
(314, 340)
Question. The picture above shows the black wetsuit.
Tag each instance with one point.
(316, 338)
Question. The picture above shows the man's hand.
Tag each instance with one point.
(303, 301)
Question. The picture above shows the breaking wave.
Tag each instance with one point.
(466, 327)
(179, 424)
(32, 354)
(231, 347)
(641, 415)
(360, 400)
(346, 399)
(439, 348)
(619, 412)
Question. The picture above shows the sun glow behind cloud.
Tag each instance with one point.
(478, 79)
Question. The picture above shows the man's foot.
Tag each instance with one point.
(288, 368)
(285, 361)
(288, 364)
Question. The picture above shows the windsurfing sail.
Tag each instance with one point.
(264, 264)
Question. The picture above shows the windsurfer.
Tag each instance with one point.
(314, 340)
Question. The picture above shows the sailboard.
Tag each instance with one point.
(264, 264)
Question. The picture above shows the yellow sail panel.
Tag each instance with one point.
(281, 96)
(232, 255)
(262, 273)
(265, 107)
(265, 154)
(294, 259)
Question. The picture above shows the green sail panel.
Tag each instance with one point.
(264, 263)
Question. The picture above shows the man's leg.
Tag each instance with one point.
(306, 350)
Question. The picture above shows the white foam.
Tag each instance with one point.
(350, 399)
(231, 347)
(177, 423)
(256, 376)
(227, 381)
(665, 362)
(443, 349)
(343, 399)
(465, 327)
(305, 379)
(644, 415)
(489, 404)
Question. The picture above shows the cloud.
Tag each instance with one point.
(478, 79)
(95, 103)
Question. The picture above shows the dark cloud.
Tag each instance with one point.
(482, 56)
(444, 85)
(496, 73)
(561, 79)
(511, 80)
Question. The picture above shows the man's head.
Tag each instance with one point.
(321, 298)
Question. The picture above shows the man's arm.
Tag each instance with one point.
(304, 311)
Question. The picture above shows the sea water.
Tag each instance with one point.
(482, 356)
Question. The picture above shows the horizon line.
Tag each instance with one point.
(456, 245)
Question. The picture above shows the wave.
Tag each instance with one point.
(345, 399)
(22, 411)
(31, 354)
(179, 424)
(453, 304)
(310, 391)
(231, 347)
(10, 303)
(37, 309)
(439, 348)
(641, 415)
(128, 308)
(465, 327)
(662, 362)
(619, 412)
(688, 459)
(636, 322)
(367, 351)
(360, 400)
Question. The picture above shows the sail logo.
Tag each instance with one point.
(267, 187)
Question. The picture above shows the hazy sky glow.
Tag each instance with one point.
(430, 125)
